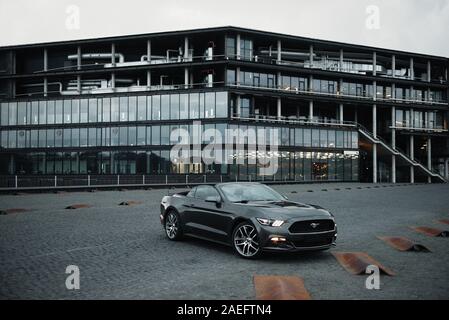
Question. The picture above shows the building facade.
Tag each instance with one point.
(106, 107)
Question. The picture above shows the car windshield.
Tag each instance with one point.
(236, 192)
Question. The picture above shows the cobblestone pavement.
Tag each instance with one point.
(122, 251)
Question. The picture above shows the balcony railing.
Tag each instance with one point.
(336, 95)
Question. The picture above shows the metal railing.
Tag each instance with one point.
(397, 151)
(94, 181)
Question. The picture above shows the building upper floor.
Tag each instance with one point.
(218, 57)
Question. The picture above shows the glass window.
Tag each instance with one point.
(165, 135)
(106, 110)
(339, 139)
(155, 135)
(51, 112)
(84, 110)
(141, 136)
(203, 192)
(210, 105)
(58, 138)
(142, 108)
(194, 106)
(21, 113)
(75, 111)
(307, 137)
(34, 112)
(123, 136)
(21, 139)
(93, 112)
(67, 111)
(315, 138)
(331, 138)
(132, 136)
(13, 112)
(67, 138)
(75, 137)
(230, 47)
(323, 138)
(33, 138)
(174, 106)
(123, 108)
(299, 136)
(92, 141)
(156, 107)
(355, 140)
(4, 114)
(165, 107)
(50, 138)
(115, 112)
(184, 106)
(132, 109)
(115, 136)
(222, 105)
(59, 111)
(148, 98)
(12, 139)
(83, 137)
(100, 110)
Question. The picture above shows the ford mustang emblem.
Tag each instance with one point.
(314, 225)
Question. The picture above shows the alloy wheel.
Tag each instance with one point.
(245, 241)
(171, 225)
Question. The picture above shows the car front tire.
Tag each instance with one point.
(172, 226)
(245, 240)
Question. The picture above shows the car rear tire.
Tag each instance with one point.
(172, 226)
(245, 240)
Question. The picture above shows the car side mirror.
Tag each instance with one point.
(213, 199)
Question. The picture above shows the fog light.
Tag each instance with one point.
(278, 239)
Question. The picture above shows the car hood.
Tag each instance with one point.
(285, 210)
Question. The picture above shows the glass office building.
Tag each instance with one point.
(109, 106)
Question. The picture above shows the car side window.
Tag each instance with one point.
(191, 193)
(203, 192)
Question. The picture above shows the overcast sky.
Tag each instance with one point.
(409, 25)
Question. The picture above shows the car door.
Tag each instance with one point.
(208, 218)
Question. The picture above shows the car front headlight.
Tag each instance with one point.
(270, 222)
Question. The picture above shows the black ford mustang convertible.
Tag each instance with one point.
(251, 217)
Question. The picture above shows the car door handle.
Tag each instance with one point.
(189, 205)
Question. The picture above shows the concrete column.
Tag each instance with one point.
(412, 156)
(412, 69)
(429, 157)
(113, 64)
(279, 108)
(429, 71)
(186, 48)
(237, 49)
(311, 55)
(279, 56)
(393, 65)
(340, 68)
(186, 78)
(78, 84)
(374, 63)
(374, 163)
(149, 61)
(310, 83)
(78, 58)
(237, 76)
(375, 145)
(340, 112)
(238, 102)
(113, 54)
(374, 90)
(45, 69)
(393, 144)
(311, 110)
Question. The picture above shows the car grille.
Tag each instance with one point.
(307, 226)
(313, 242)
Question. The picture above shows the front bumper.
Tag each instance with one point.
(294, 242)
